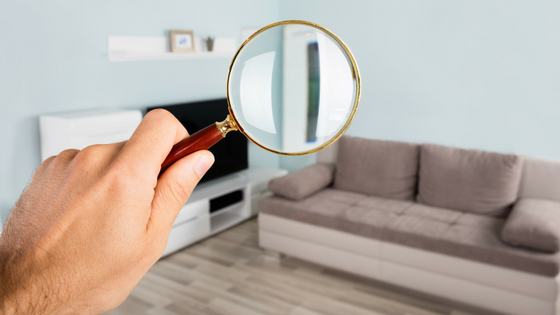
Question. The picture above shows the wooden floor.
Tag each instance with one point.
(229, 274)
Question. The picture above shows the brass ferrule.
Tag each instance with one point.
(226, 126)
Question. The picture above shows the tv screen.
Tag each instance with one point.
(231, 152)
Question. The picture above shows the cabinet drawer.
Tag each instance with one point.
(191, 211)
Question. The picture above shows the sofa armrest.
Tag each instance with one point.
(304, 182)
(534, 223)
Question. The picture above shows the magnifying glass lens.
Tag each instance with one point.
(293, 89)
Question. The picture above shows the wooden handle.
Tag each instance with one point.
(201, 140)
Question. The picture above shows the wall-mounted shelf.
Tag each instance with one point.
(167, 56)
(157, 48)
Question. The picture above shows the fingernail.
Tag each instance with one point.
(203, 164)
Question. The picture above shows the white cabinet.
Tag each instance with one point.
(77, 130)
(220, 204)
(213, 206)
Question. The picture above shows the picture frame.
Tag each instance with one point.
(181, 41)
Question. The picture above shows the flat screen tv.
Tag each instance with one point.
(231, 152)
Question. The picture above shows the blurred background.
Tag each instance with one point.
(473, 74)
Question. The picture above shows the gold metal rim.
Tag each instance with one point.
(355, 70)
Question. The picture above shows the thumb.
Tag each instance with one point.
(175, 186)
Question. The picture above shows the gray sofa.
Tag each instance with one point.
(478, 227)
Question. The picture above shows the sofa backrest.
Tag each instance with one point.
(328, 154)
(380, 168)
(476, 181)
(540, 179)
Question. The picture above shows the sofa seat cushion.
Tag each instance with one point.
(380, 168)
(455, 233)
(468, 180)
(327, 208)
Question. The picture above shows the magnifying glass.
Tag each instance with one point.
(293, 88)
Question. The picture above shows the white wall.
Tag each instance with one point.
(473, 74)
(53, 58)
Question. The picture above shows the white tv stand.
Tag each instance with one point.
(203, 216)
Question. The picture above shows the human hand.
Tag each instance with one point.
(92, 222)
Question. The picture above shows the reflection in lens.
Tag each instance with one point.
(292, 88)
(312, 90)
(256, 92)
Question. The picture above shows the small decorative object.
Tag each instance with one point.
(182, 41)
(209, 42)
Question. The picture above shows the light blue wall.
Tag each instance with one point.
(53, 58)
(472, 74)
(475, 74)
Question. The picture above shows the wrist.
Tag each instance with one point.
(21, 291)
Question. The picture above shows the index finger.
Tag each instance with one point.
(152, 141)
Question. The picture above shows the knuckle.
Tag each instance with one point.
(66, 155)
(57, 164)
(48, 162)
(166, 119)
(120, 176)
(46, 165)
(63, 158)
(89, 156)
(159, 114)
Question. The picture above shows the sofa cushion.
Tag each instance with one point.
(321, 208)
(455, 233)
(534, 223)
(468, 180)
(304, 182)
(381, 168)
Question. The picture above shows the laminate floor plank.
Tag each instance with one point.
(286, 280)
(381, 296)
(218, 255)
(153, 298)
(191, 275)
(187, 261)
(213, 256)
(330, 306)
(239, 300)
(317, 277)
(298, 263)
(229, 274)
(226, 307)
(272, 292)
(132, 305)
(181, 298)
(225, 274)
(191, 309)
(278, 304)
(160, 311)
(303, 311)
(369, 301)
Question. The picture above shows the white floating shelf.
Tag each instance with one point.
(116, 56)
(157, 48)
